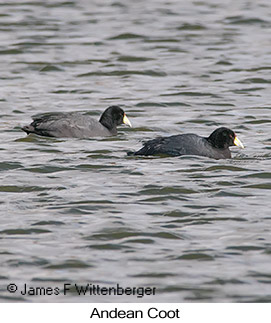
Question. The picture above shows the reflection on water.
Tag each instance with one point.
(82, 211)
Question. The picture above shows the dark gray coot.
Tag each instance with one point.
(77, 125)
(215, 146)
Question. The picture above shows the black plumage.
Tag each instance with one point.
(215, 146)
(78, 125)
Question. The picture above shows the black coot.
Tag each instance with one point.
(215, 146)
(78, 125)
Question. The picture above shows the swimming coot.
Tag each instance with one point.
(77, 125)
(215, 146)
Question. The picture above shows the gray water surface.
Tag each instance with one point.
(82, 211)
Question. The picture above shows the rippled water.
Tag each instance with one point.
(81, 211)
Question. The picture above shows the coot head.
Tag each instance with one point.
(223, 138)
(113, 117)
